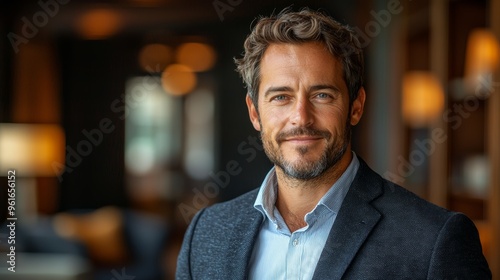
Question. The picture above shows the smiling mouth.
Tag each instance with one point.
(302, 135)
(302, 139)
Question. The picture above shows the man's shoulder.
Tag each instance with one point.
(227, 217)
(236, 205)
(232, 210)
(399, 196)
(398, 202)
(406, 209)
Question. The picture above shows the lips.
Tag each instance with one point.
(303, 138)
(302, 135)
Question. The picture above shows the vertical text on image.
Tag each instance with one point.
(11, 220)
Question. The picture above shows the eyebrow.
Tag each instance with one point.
(312, 88)
(320, 87)
(276, 89)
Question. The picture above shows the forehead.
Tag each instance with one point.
(306, 62)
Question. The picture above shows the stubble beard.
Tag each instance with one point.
(308, 170)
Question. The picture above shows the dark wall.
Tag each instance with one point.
(234, 125)
(8, 13)
(93, 75)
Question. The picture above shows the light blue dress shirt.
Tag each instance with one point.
(280, 254)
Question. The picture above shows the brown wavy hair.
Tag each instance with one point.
(301, 27)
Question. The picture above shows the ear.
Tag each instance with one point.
(253, 113)
(358, 107)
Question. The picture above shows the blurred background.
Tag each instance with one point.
(123, 118)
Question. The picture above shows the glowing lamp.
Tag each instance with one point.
(482, 58)
(99, 24)
(155, 57)
(178, 79)
(199, 57)
(483, 53)
(31, 149)
(423, 98)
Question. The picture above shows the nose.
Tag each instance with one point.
(302, 114)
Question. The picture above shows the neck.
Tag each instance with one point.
(297, 197)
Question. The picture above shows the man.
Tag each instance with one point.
(321, 212)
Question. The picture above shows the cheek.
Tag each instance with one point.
(271, 125)
(271, 119)
(334, 121)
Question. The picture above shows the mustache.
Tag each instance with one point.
(302, 131)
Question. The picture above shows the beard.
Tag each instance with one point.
(307, 169)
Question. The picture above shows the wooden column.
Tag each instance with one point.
(494, 153)
(438, 171)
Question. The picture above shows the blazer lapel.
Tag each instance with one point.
(241, 241)
(355, 220)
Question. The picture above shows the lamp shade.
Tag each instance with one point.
(31, 149)
(483, 53)
(423, 98)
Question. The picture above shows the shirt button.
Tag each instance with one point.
(295, 242)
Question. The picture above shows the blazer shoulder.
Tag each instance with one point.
(406, 205)
(219, 240)
(231, 212)
(235, 205)
(457, 251)
(393, 200)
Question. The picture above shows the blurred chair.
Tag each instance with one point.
(41, 266)
(110, 240)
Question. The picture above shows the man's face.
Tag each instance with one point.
(303, 113)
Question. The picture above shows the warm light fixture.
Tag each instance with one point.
(199, 57)
(178, 79)
(155, 57)
(31, 149)
(483, 56)
(423, 98)
(98, 24)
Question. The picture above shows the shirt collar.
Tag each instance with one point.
(266, 198)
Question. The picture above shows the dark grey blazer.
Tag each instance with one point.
(382, 231)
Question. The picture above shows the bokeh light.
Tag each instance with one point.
(178, 79)
(155, 57)
(98, 24)
(199, 57)
(423, 98)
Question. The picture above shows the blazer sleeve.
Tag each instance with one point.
(183, 270)
(457, 253)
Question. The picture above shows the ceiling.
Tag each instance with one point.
(147, 15)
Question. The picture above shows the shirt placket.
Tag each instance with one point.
(294, 256)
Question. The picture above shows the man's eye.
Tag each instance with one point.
(279, 98)
(322, 95)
